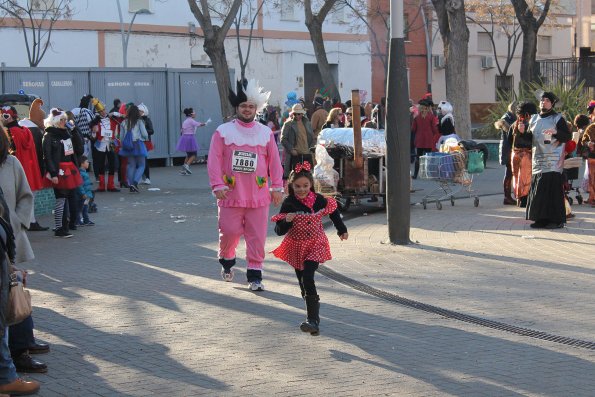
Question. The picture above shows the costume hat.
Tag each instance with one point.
(249, 91)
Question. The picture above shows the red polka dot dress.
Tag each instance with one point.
(306, 239)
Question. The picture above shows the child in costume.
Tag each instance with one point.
(245, 175)
(305, 245)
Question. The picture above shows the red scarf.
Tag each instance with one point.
(309, 200)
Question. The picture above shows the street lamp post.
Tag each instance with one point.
(126, 34)
(398, 134)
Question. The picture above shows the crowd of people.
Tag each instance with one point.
(56, 150)
(535, 143)
(246, 173)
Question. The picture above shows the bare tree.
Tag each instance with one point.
(36, 19)
(367, 12)
(455, 37)
(496, 16)
(214, 42)
(314, 23)
(530, 25)
(244, 20)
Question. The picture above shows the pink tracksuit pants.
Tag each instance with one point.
(252, 223)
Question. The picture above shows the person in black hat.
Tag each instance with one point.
(545, 204)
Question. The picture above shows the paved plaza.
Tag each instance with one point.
(135, 306)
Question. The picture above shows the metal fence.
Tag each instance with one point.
(569, 72)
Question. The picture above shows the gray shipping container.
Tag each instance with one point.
(137, 85)
(61, 88)
(197, 89)
(165, 92)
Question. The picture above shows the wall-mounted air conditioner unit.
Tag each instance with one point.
(438, 61)
(487, 62)
(138, 5)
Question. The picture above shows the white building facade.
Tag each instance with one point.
(168, 35)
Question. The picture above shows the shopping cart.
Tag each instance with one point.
(450, 171)
(570, 174)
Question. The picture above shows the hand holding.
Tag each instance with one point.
(55, 180)
(290, 217)
(221, 194)
(277, 198)
(344, 236)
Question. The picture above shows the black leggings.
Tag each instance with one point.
(306, 278)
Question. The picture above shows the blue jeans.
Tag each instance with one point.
(136, 167)
(84, 213)
(8, 372)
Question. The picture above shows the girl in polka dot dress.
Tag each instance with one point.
(305, 245)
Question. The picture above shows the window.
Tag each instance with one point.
(288, 11)
(544, 45)
(504, 86)
(41, 5)
(406, 26)
(484, 44)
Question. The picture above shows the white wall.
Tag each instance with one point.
(72, 49)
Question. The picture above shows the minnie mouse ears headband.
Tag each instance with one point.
(305, 166)
(9, 110)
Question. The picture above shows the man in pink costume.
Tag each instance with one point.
(245, 174)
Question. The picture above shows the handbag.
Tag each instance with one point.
(127, 142)
(19, 302)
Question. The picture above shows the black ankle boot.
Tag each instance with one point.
(312, 308)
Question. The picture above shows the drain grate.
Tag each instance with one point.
(324, 270)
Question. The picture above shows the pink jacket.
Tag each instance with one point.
(244, 159)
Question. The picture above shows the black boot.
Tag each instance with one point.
(508, 200)
(312, 308)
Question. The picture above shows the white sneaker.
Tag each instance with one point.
(145, 181)
(256, 286)
(184, 172)
(227, 276)
(187, 168)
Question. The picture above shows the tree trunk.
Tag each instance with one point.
(455, 36)
(216, 52)
(314, 25)
(530, 26)
(529, 69)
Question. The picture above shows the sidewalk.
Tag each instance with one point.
(134, 306)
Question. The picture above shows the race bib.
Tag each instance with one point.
(106, 133)
(68, 149)
(243, 161)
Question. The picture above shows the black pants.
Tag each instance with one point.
(20, 337)
(306, 278)
(99, 159)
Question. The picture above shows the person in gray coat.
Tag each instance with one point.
(297, 137)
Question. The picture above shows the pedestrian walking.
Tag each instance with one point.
(305, 245)
(187, 142)
(245, 174)
(144, 114)
(133, 147)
